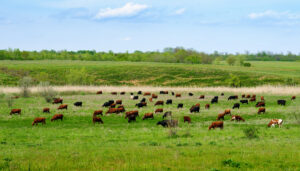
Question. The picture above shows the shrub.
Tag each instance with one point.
(9, 100)
(47, 91)
(247, 64)
(251, 132)
(25, 84)
(231, 163)
(234, 81)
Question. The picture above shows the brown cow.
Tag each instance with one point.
(147, 94)
(253, 99)
(227, 111)
(159, 103)
(118, 101)
(216, 124)
(57, 100)
(63, 106)
(148, 115)
(122, 93)
(178, 95)
(112, 110)
(120, 109)
(150, 99)
(159, 110)
(262, 98)
(243, 95)
(207, 106)
(202, 97)
(274, 122)
(39, 120)
(186, 119)
(154, 96)
(98, 112)
(134, 112)
(253, 96)
(248, 96)
(114, 93)
(57, 116)
(98, 120)
(293, 98)
(261, 110)
(237, 118)
(99, 92)
(260, 104)
(15, 111)
(46, 110)
(221, 116)
(113, 105)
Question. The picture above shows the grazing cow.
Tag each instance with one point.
(274, 122)
(281, 102)
(236, 105)
(260, 104)
(237, 118)
(78, 104)
(108, 104)
(150, 99)
(114, 93)
(120, 109)
(178, 95)
(202, 97)
(159, 103)
(207, 106)
(173, 93)
(112, 105)
(99, 92)
(57, 100)
(222, 94)
(97, 120)
(195, 109)
(243, 95)
(122, 93)
(63, 106)
(168, 123)
(142, 104)
(166, 114)
(215, 100)
(253, 96)
(261, 110)
(221, 116)
(191, 94)
(134, 112)
(16, 97)
(112, 110)
(154, 96)
(159, 110)
(98, 112)
(39, 120)
(216, 124)
(187, 119)
(293, 98)
(118, 101)
(262, 98)
(147, 94)
(131, 118)
(15, 111)
(135, 97)
(57, 116)
(139, 92)
(233, 97)
(163, 92)
(244, 101)
(169, 101)
(180, 105)
(143, 100)
(227, 111)
(248, 96)
(253, 99)
(148, 115)
(46, 110)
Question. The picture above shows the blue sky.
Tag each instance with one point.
(121, 25)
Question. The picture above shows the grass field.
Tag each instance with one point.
(77, 144)
(145, 74)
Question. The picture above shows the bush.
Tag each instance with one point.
(47, 91)
(234, 81)
(25, 84)
(247, 64)
(231, 163)
(251, 132)
(9, 100)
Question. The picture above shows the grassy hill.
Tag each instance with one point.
(141, 73)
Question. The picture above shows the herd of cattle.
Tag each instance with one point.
(117, 107)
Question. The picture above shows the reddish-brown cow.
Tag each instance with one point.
(57, 116)
(148, 115)
(15, 111)
(46, 110)
(39, 120)
(216, 124)
(261, 110)
(63, 106)
(186, 119)
(159, 110)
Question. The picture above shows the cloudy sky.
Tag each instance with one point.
(120, 25)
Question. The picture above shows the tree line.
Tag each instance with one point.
(169, 55)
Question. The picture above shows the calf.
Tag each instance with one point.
(232, 97)
(78, 104)
(15, 111)
(244, 101)
(57, 100)
(154, 96)
(39, 120)
(261, 110)
(97, 120)
(168, 123)
(207, 106)
(260, 104)
(191, 94)
(236, 105)
(216, 124)
(169, 101)
(118, 101)
(159, 103)
(281, 102)
(98, 112)
(46, 110)
(148, 115)
(274, 122)
(169, 113)
(237, 118)
(159, 110)
(187, 119)
(57, 116)
(63, 106)
(293, 98)
(221, 116)
(99, 92)
(180, 105)
(178, 95)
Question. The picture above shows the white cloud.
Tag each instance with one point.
(180, 11)
(275, 15)
(127, 38)
(128, 10)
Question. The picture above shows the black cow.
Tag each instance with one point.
(214, 100)
(142, 104)
(78, 104)
(143, 100)
(139, 92)
(173, 93)
(222, 94)
(167, 123)
(131, 118)
(236, 105)
(131, 94)
(135, 97)
(191, 94)
(169, 101)
(281, 102)
(195, 109)
(244, 101)
(166, 114)
(107, 104)
(180, 105)
(232, 97)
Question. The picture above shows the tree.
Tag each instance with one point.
(231, 60)
(25, 84)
